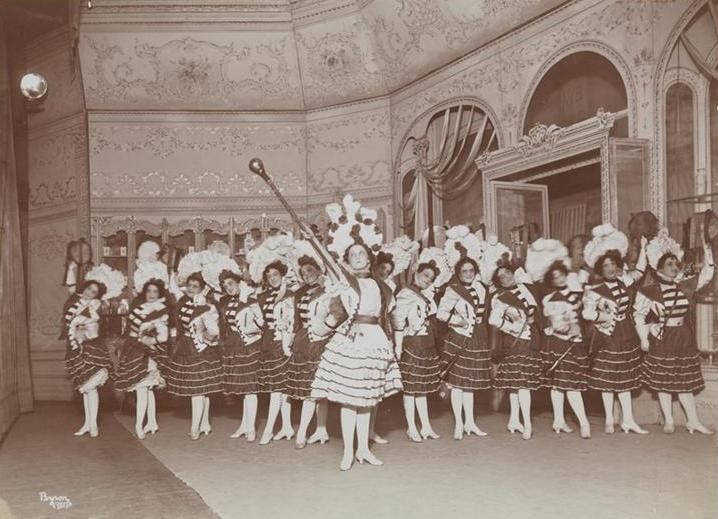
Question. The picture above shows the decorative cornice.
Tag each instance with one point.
(547, 144)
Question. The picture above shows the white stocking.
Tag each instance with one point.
(94, 401)
(688, 402)
(322, 412)
(275, 402)
(363, 417)
(286, 409)
(666, 402)
(409, 411)
(525, 404)
(349, 425)
(575, 399)
(468, 405)
(557, 399)
(308, 409)
(204, 424)
(249, 413)
(197, 407)
(514, 408)
(422, 408)
(457, 400)
(607, 398)
(624, 399)
(141, 407)
(151, 409)
(86, 407)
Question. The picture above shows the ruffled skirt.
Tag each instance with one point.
(616, 365)
(419, 365)
(241, 365)
(358, 372)
(571, 372)
(466, 361)
(138, 367)
(89, 366)
(190, 373)
(520, 368)
(303, 365)
(273, 365)
(673, 365)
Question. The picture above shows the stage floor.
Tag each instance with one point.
(551, 476)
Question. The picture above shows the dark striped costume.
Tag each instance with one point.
(562, 311)
(241, 333)
(194, 367)
(307, 343)
(86, 359)
(139, 363)
(273, 363)
(419, 362)
(672, 364)
(466, 355)
(615, 347)
(514, 313)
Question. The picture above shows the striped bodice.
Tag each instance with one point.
(620, 295)
(231, 311)
(303, 306)
(479, 306)
(135, 319)
(72, 311)
(674, 299)
(268, 308)
(528, 308)
(185, 317)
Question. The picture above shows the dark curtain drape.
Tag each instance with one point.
(445, 159)
(15, 382)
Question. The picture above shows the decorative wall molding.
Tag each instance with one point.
(658, 195)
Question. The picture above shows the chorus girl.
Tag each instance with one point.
(383, 269)
(358, 368)
(663, 314)
(613, 343)
(466, 356)
(144, 352)
(307, 337)
(86, 358)
(241, 325)
(565, 354)
(415, 346)
(276, 304)
(194, 368)
(514, 313)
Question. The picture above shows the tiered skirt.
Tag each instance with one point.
(360, 371)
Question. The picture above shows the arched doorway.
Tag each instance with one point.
(574, 89)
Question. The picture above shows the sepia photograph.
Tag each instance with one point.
(358, 259)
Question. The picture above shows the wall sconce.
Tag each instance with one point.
(33, 86)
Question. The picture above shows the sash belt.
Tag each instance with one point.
(366, 319)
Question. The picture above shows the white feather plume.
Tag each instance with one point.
(461, 236)
(402, 250)
(147, 270)
(661, 244)
(345, 220)
(605, 238)
(215, 264)
(493, 252)
(114, 280)
(541, 254)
